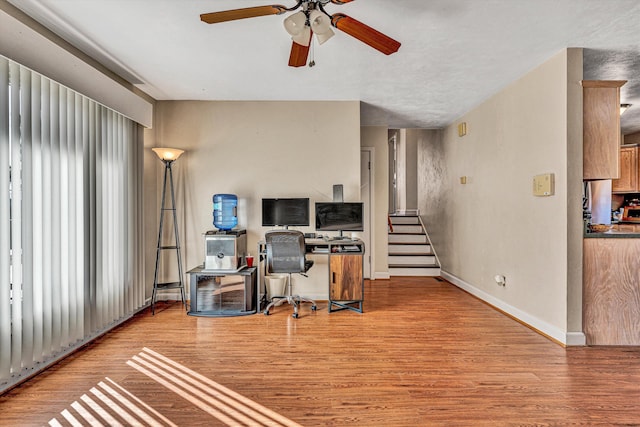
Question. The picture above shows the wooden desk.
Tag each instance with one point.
(346, 278)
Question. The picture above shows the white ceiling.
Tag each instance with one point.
(454, 53)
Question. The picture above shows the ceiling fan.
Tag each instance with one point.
(311, 19)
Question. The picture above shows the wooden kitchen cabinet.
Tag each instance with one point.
(601, 128)
(611, 291)
(628, 181)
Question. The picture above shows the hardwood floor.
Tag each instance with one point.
(423, 353)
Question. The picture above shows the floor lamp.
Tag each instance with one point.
(168, 156)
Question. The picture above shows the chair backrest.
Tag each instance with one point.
(285, 251)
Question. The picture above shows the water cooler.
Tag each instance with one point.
(225, 249)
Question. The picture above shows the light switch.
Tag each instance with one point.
(462, 129)
(544, 185)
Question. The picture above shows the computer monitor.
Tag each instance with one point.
(339, 216)
(285, 212)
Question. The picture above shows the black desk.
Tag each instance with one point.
(221, 294)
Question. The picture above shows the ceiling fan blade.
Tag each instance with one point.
(365, 34)
(249, 12)
(341, 1)
(299, 55)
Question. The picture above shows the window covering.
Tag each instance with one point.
(70, 222)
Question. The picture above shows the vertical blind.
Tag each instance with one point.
(70, 203)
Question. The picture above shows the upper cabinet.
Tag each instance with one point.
(628, 181)
(601, 128)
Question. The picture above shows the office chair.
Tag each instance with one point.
(286, 254)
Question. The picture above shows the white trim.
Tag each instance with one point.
(576, 339)
(426, 233)
(415, 271)
(372, 211)
(382, 275)
(564, 337)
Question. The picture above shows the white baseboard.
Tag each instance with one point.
(576, 339)
(563, 337)
(382, 275)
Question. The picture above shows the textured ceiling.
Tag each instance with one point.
(454, 55)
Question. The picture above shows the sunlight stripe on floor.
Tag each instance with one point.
(54, 423)
(82, 411)
(112, 422)
(228, 406)
(72, 420)
(129, 420)
(222, 402)
(213, 387)
(132, 407)
(142, 404)
(197, 402)
(111, 398)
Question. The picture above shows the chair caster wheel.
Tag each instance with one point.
(266, 312)
(314, 308)
(295, 315)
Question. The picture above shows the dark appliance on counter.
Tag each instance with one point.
(631, 214)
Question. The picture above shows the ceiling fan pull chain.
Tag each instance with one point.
(312, 63)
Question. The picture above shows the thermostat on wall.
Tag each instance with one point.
(544, 185)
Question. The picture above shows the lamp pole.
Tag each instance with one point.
(167, 156)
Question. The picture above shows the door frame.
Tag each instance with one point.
(393, 172)
(370, 250)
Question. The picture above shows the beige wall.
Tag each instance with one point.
(376, 137)
(411, 169)
(493, 224)
(256, 150)
(432, 189)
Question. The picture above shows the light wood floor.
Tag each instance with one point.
(423, 353)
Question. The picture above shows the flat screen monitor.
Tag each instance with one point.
(339, 216)
(285, 212)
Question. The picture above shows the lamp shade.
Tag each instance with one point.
(168, 154)
(295, 24)
(324, 36)
(304, 38)
(321, 25)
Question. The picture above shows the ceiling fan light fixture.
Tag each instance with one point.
(319, 21)
(324, 36)
(304, 19)
(624, 107)
(321, 25)
(304, 38)
(295, 24)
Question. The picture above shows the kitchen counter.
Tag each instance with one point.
(619, 230)
(613, 234)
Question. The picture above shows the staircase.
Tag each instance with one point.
(410, 250)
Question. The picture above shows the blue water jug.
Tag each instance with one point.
(225, 211)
